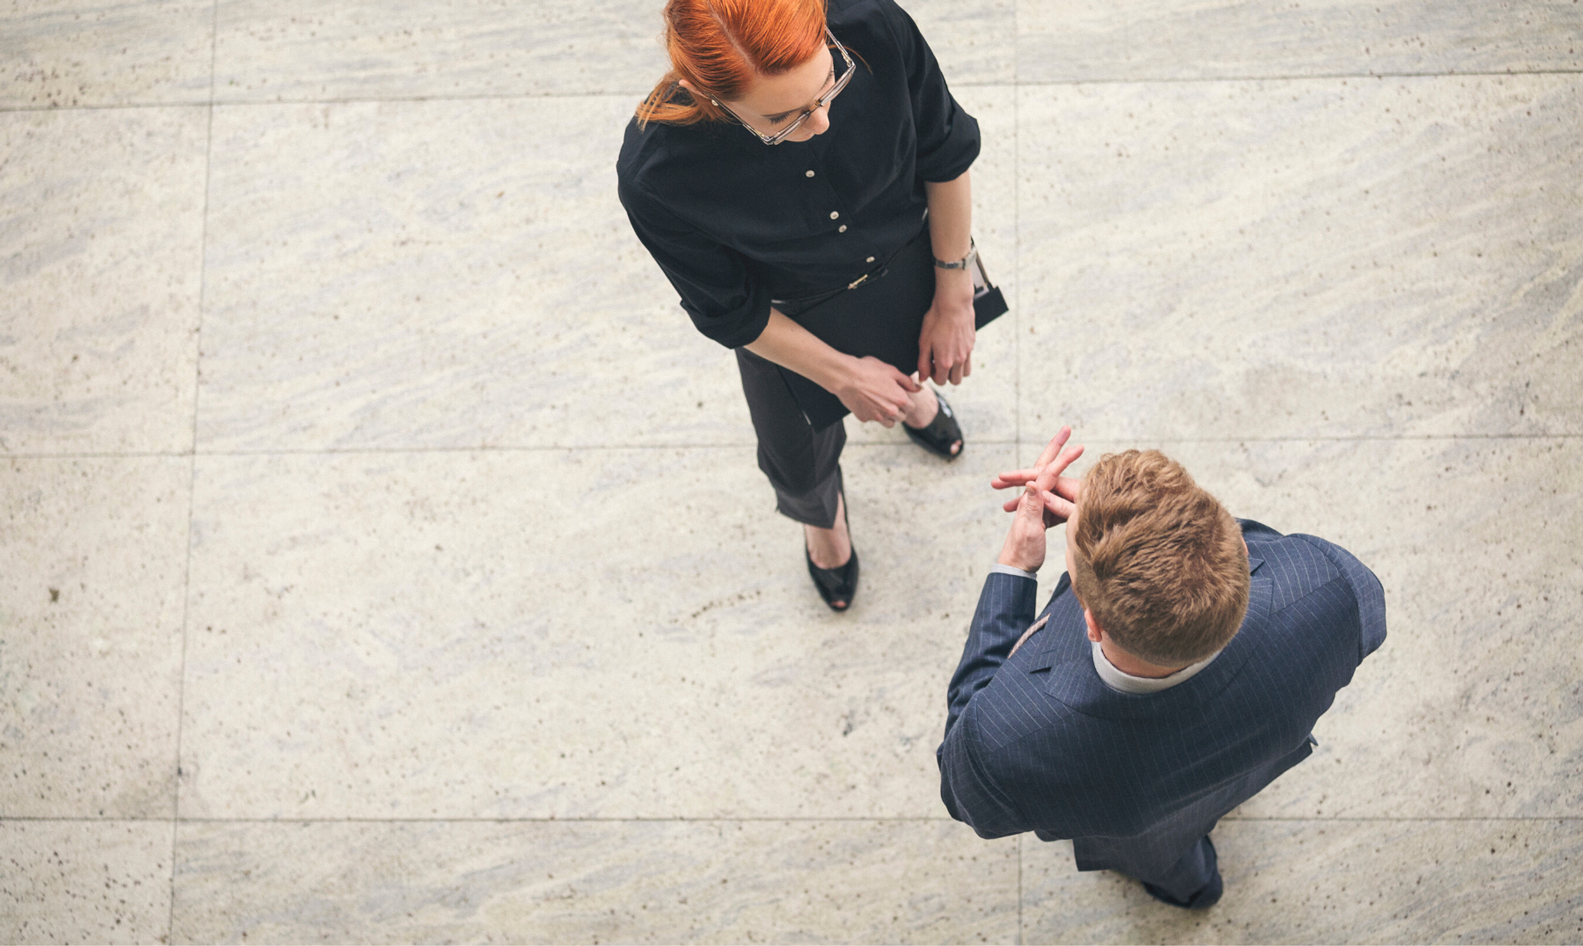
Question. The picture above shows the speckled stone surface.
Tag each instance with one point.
(85, 881)
(91, 635)
(103, 254)
(441, 274)
(669, 693)
(1334, 881)
(630, 881)
(87, 53)
(386, 559)
(1143, 40)
(974, 40)
(297, 50)
(1340, 258)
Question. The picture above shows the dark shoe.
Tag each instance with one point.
(1202, 900)
(939, 434)
(839, 583)
(1206, 897)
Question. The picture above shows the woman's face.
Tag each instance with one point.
(774, 102)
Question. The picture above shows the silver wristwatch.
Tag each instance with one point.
(964, 262)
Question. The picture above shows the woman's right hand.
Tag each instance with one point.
(876, 390)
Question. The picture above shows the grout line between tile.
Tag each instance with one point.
(228, 103)
(624, 95)
(744, 444)
(107, 107)
(1293, 77)
(1016, 268)
(768, 819)
(1021, 843)
(170, 911)
(192, 470)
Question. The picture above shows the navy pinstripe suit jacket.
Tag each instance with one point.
(1038, 742)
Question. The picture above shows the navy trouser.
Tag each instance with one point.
(1187, 876)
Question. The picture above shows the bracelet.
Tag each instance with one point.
(972, 254)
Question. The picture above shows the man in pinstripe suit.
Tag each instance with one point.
(1178, 668)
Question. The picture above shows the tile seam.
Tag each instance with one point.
(1016, 351)
(192, 471)
(1299, 77)
(633, 94)
(738, 445)
(761, 819)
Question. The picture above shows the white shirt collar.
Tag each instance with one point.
(1127, 683)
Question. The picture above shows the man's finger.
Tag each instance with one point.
(1059, 507)
(1052, 472)
(1014, 478)
(1067, 487)
(1048, 475)
(1053, 449)
(1068, 456)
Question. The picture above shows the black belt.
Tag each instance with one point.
(794, 307)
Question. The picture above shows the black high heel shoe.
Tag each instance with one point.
(839, 583)
(940, 434)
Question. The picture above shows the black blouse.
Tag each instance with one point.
(735, 223)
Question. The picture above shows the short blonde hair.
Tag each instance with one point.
(1157, 560)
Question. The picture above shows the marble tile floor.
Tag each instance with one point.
(385, 559)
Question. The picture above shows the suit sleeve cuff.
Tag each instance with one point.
(1000, 569)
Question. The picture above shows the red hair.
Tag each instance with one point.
(721, 47)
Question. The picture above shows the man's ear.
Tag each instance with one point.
(1095, 632)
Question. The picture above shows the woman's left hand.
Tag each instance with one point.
(945, 347)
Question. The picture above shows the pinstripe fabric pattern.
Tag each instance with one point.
(1036, 742)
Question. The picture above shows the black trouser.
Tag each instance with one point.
(881, 317)
(803, 464)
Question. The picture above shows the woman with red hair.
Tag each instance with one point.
(801, 177)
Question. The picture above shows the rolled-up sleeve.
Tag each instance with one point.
(948, 137)
(721, 296)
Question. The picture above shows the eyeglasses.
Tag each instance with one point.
(821, 102)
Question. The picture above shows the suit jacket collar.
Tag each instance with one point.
(1061, 652)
